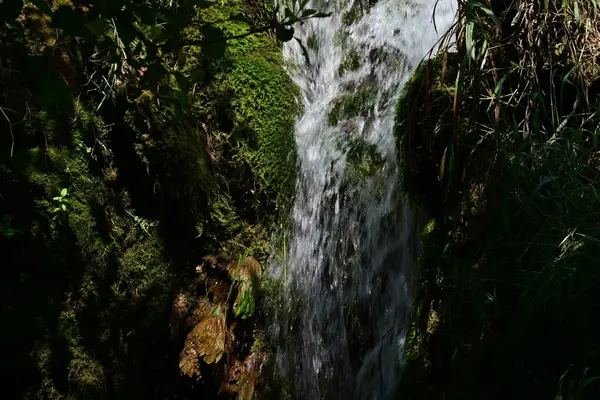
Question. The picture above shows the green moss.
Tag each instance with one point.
(312, 42)
(352, 15)
(263, 105)
(424, 131)
(340, 38)
(225, 16)
(364, 160)
(151, 189)
(350, 63)
(352, 105)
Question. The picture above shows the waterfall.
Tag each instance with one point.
(349, 261)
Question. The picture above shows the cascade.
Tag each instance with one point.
(350, 258)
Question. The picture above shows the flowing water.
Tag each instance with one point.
(350, 257)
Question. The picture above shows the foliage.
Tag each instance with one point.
(127, 128)
(499, 142)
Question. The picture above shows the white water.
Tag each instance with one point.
(348, 273)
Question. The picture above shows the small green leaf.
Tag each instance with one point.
(308, 12)
(63, 192)
(64, 207)
(486, 10)
(322, 15)
(497, 92)
(542, 183)
(288, 14)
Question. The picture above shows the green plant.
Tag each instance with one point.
(502, 155)
(61, 201)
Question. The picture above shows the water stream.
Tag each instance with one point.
(350, 257)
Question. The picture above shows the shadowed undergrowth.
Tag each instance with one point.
(117, 184)
(499, 138)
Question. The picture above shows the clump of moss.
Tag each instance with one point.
(358, 9)
(352, 105)
(350, 63)
(312, 42)
(364, 160)
(263, 105)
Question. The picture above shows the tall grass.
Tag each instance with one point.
(500, 137)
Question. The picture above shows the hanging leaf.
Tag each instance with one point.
(247, 276)
(206, 342)
(71, 22)
(288, 14)
(63, 192)
(469, 40)
(443, 164)
(486, 10)
(285, 34)
(308, 12)
(304, 51)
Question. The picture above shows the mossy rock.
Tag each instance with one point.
(263, 104)
(352, 105)
(363, 159)
(424, 127)
(350, 63)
